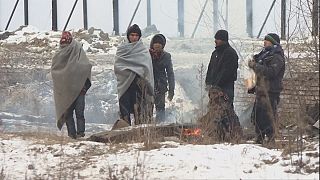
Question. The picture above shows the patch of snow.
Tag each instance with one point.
(10, 114)
(172, 161)
(85, 44)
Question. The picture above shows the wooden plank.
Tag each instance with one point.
(140, 133)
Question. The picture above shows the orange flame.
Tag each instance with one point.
(192, 132)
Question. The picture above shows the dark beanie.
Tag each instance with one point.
(273, 38)
(158, 38)
(222, 35)
(134, 29)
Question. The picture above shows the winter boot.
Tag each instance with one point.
(260, 139)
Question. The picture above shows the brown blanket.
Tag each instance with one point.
(70, 69)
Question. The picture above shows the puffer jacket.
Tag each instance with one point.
(270, 68)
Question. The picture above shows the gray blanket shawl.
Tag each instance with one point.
(132, 59)
(70, 69)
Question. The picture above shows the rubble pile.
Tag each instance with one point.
(30, 39)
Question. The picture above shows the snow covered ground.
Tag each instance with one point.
(27, 156)
(30, 94)
(31, 147)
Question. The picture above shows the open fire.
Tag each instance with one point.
(192, 132)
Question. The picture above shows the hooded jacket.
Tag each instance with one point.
(162, 68)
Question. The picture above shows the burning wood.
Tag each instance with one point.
(192, 132)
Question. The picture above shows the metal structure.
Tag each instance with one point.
(115, 5)
(85, 14)
(215, 15)
(226, 23)
(54, 16)
(315, 18)
(265, 20)
(181, 18)
(148, 12)
(14, 9)
(74, 5)
(249, 15)
(201, 14)
(26, 12)
(134, 13)
(283, 19)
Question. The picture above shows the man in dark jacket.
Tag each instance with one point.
(163, 74)
(222, 69)
(269, 66)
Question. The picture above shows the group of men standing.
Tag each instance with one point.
(145, 75)
(269, 67)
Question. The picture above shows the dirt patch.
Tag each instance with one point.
(274, 160)
(38, 137)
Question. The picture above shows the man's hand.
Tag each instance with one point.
(251, 64)
(252, 90)
(170, 97)
(208, 87)
(225, 97)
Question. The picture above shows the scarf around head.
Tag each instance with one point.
(155, 54)
(66, 38)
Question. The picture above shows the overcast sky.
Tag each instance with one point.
(164, 15)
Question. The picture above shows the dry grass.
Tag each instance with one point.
(220, 123)
(2, 174)
(44, 138)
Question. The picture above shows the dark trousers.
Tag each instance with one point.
(159, 100)
(128, 100)
(78, 106)
(229, 90)
(264, 114)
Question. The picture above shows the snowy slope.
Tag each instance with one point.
(55, 157)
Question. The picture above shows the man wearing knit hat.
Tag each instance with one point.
(163, 74)
(222, 69)
(133, 33)
(269, 67)
(135, 82)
